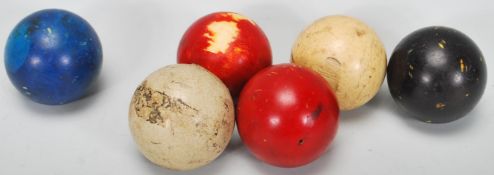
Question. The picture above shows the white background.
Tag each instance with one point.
(91, 136)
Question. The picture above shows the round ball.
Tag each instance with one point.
(181, 117)
(53, 57)
(347, 53)
(437, 74)
(287, 115)
(228, 44)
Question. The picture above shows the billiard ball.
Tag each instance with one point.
(228, 44)
(437, 74)
(53, 56)
(287, 115)
(347, 53)
(181, 117)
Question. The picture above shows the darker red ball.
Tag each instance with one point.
(287, 115)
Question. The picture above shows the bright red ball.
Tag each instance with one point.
(287, 115)
(230, 45)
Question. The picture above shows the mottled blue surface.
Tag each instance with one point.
(53, 56)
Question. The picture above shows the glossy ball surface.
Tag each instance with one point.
(287, 115)
(181, 117)
(437, 74)
(228, 44)
(348, 54)
(53, 57)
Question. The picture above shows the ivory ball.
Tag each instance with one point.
(181, 117)
(348, 54)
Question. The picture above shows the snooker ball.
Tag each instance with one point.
(287, 115)
(228, 44)
(53, 56)
(437, 74)
(347, 53)
(181, 117)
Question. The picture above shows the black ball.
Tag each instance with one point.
(437, 74)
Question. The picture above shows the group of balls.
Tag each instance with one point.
(182, 116)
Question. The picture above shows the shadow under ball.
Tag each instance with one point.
(437, 74)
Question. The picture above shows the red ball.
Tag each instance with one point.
(229, 45)
(287, 115)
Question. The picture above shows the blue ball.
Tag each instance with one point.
(53, 57)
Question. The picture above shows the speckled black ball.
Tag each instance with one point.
(437, 74)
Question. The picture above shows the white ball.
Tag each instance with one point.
(181, 117)
(348, 54)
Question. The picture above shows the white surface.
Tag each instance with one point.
(91, 136)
